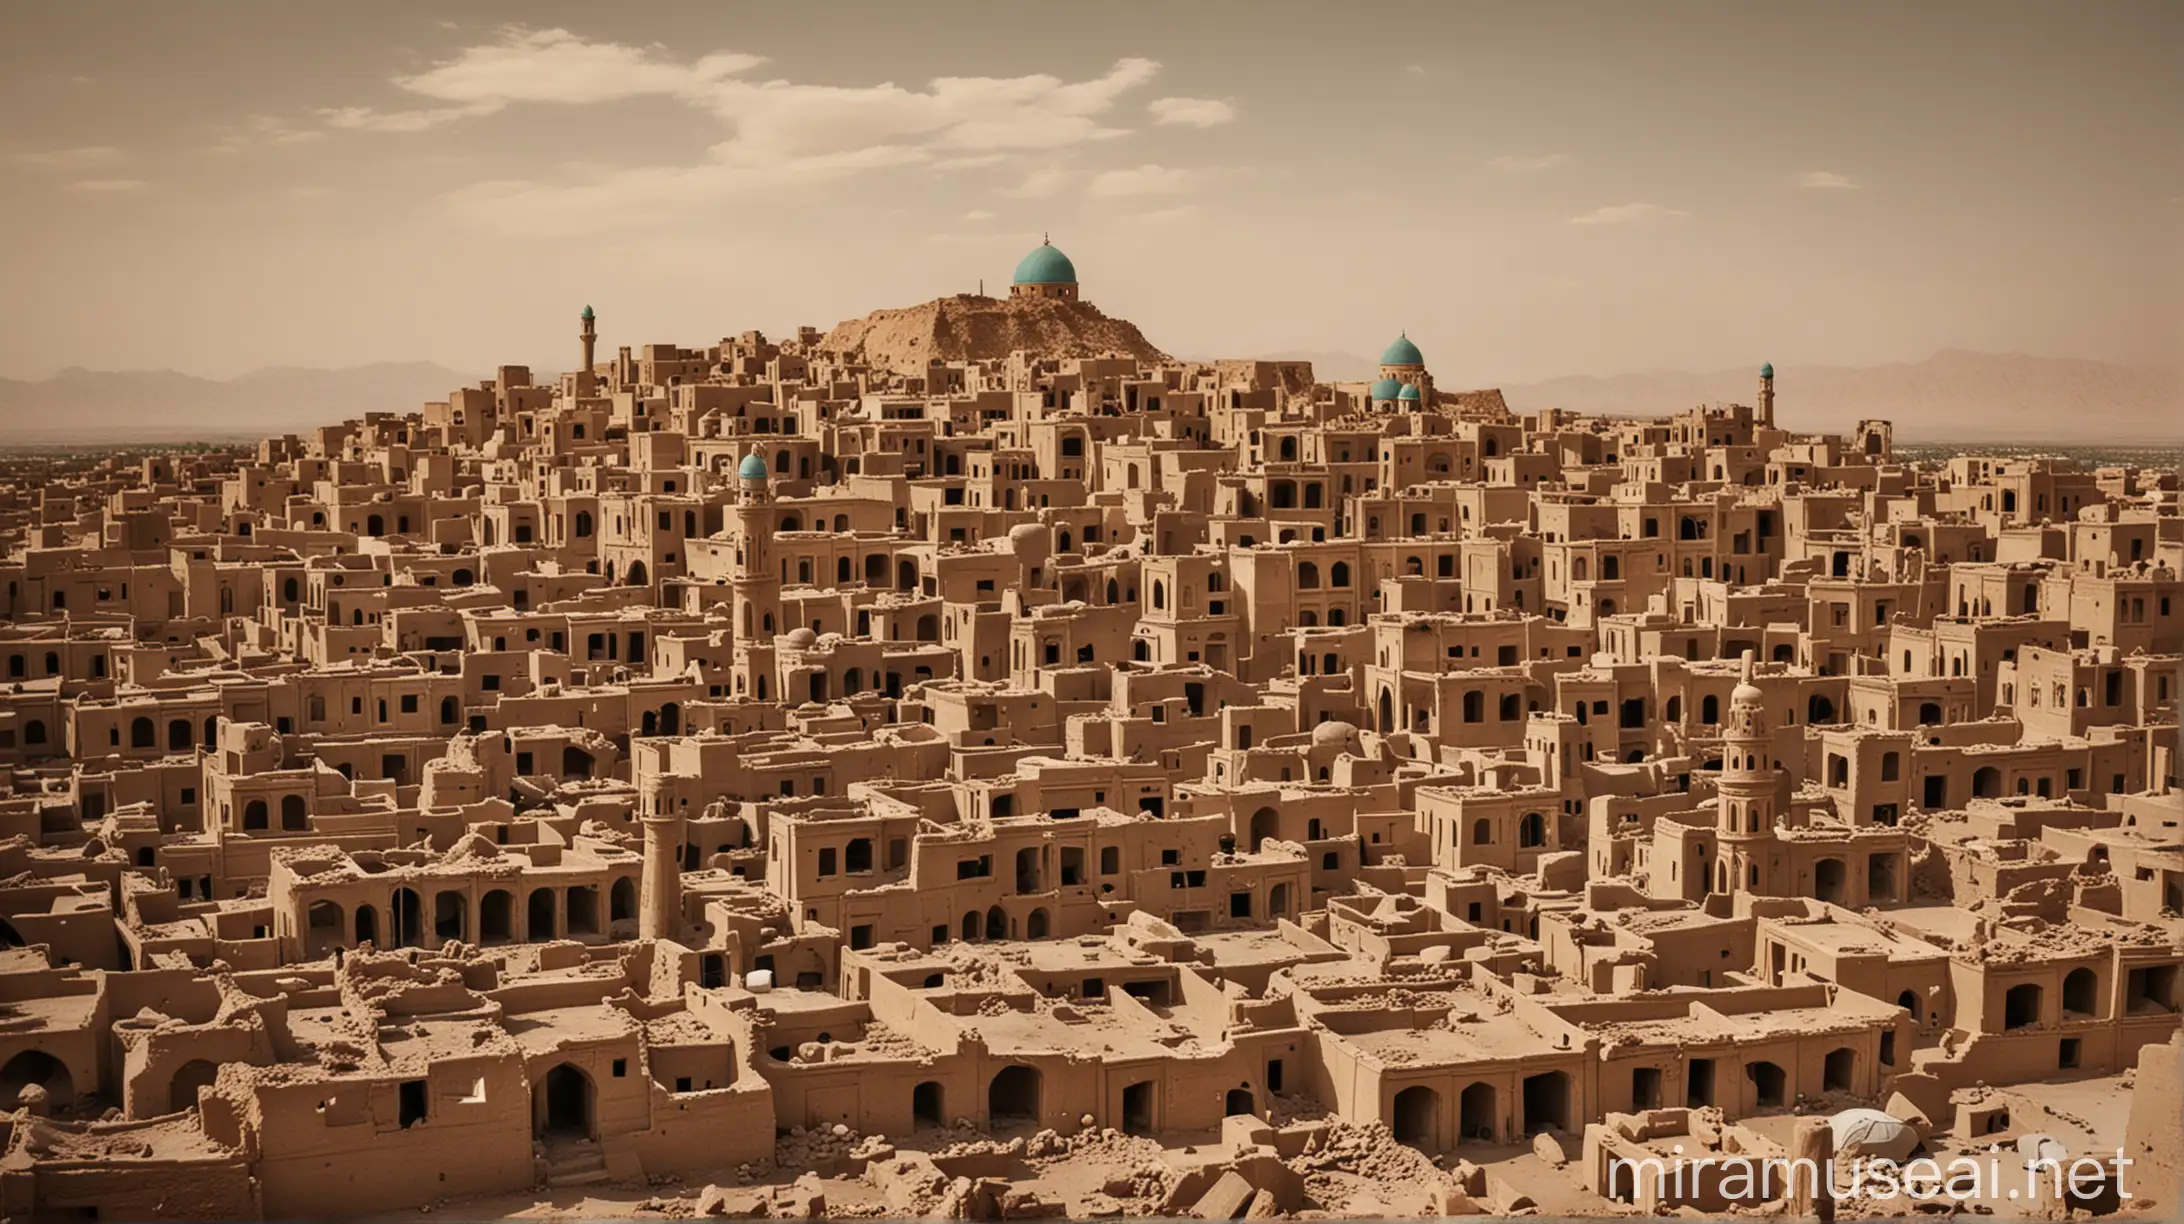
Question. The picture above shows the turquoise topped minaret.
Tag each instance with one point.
(1767, 370)
(1766, 394)
(588, 335)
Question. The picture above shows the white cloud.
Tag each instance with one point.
(68, 161)
(365, 119)
(1627, 214)
(108, 186)
(557, 66)
(1191, 112)
(777, 117)
(776, 132)
(1825, 180)
(263, 129)
(1510, 163)
(1041, 183)
(1415, 69)
(978, 214)
(1165, 216)
(1145, 180)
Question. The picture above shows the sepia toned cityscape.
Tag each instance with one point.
(972, 763)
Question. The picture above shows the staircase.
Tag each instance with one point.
(574, 1162)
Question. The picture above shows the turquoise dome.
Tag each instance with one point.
(1046, 265)
(588, 314)
(1402, 353)
(752, 468)
(1386, 389)
(1767, 371)
(1409, 392)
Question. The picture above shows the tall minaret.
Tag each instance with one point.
(1766, 394)
(754, 581)
(1744, 820)
(659, 914)
(590, 338)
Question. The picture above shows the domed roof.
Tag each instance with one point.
(1746, 693)
(1386, 389)
(1409, 392)
(1767, 370)
(752, 468)
(1333, 734)
(802, 638)
(1046, 265)
(588, 314)
(1402, 353)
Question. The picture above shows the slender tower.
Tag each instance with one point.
(590, 338)
(1745, 804)
(660, 908)
(1766, 395)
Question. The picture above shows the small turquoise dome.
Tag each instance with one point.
(1409, 392)
(1386, 389)
(588, 314)
(1402, 353)
(752, 468)
(1767, 371)
(1046, 265)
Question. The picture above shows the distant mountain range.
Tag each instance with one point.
(1952, 396)
(78, 405)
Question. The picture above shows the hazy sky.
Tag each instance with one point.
(1531, 189)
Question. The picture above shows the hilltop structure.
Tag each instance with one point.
(975, 729)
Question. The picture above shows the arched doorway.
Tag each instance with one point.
(409, 918)
(196, 1074)
(997, 923)
(1416, 1118)
(2080, 991)
(40, 1068)
(1546, 1102)
(2021, 1006)
(1013, 1097)
(367, 925)
(539, 920)
(561, 1104)
(1827, 880)
(1239, 1101)
(1768, 1084)
(1478, 1120)
(1265, 823)
(622, 901)
(1035, 925)
(1837, 1069)
(926, 1103)
(496, 917)
(324, 926)
(450, 915)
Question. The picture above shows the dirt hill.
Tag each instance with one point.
(970, 328)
